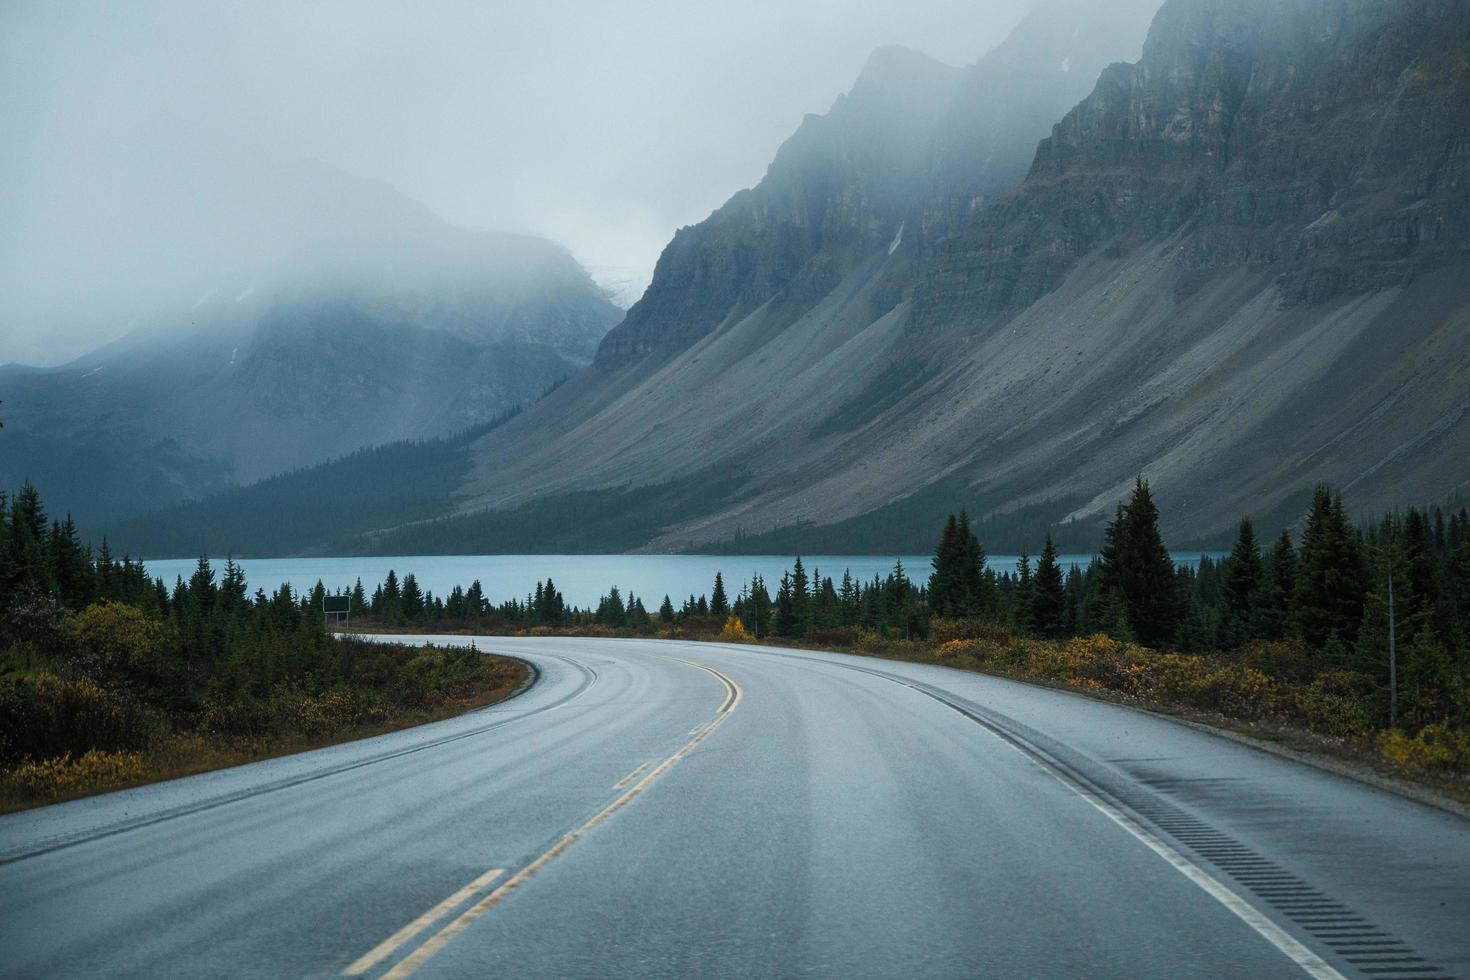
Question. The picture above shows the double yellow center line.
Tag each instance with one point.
(440, 939)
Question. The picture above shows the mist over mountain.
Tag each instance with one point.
(1234, 264)
(1234, 267)
(335, 314)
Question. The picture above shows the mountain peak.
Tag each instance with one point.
(895, 73)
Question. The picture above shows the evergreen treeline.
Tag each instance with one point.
(1327, 596)
(95, 656)
(1323, 601)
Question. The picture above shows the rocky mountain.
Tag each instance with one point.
(362, 318)
(1234, 264)
(908, 154)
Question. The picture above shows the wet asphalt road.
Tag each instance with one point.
(657, 809)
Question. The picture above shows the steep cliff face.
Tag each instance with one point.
(1325, 141)
(837, 190)
(1010, 99)
(1236, 266)
(905, 158)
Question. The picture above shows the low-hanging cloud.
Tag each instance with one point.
(602, 125)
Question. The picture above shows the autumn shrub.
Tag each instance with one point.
(1230, 689)
(734, 631)
(239, 717)
(45, 715)
(1336, 704)
(834, 636)
(1287, 660)
(66, 774)
(959, 650)
(415, 680)
(316, 716)
(1435, 747)
(986, 633)
(32, 628)
(116, 644)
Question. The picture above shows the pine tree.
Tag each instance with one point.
(1331, 577)
(801, 599)
(946, 587)
(28, 560)
(1049, 597)
(848, 600)
(413, 599)
(1025, 593)
(666, 611)
(719, 603)
(759, 622)
(1243, 579)
(202, 590)
(553, 603)
(977, 580)
(960, 584)
(610, 610)
(71, 566)
(232, 590)
(1136, 568)
(787, 623)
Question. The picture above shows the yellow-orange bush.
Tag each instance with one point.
(1433, 747)
(66, 774)
(47, 715)
(116, 642)
(984, 632)
(734, 631)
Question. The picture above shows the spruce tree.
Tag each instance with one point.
(759, 621)
(787, 623)
(977, 580)
(801, 598)
(413, 599)
(1049, 596)
(1243, 579)
(946, 584)
(1331, 577)
(1138, 571)
(719, 603)
(848, 600)
(71, 566)
(1273, 609)
(232, 589)
(1025, 593)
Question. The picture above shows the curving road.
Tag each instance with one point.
(658, 809)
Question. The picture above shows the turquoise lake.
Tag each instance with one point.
(582, 579)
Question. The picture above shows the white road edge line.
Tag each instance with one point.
(1294, 950)
(1299, 954)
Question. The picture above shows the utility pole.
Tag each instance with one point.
(1393, 653)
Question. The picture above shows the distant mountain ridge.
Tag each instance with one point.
(1235, 264)
(362, 320)
(1203, 253)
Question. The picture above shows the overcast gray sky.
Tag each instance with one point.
(603, 125)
